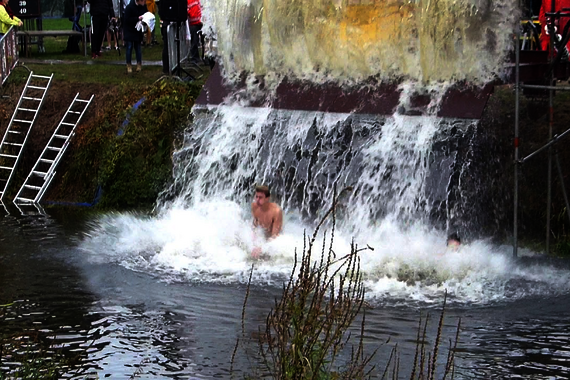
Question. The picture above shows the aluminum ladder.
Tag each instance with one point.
(20, 125)
(43, 171)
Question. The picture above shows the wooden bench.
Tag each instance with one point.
(27, 34)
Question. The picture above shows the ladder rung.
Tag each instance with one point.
(46, 160)
(23, 121)
(16, 132)
(64, 123)
(32, 187)
(30, 98)
(76, 112)
(53, 148)
(8, 155)
(25, 199)
(61, 136)
(39, 174)
(11, 143)
(40, 76)
(81, 100)
(6, 168)
(26, 109)
(38, 87)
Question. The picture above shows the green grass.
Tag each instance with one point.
(93, 73)
(62, 23)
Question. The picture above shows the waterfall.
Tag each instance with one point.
(388, 162)
(350, 40)
(413, 179)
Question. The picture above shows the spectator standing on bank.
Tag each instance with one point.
(101, 11)
(7, 18)
(151, 7)
(195, 24)
(133, 38)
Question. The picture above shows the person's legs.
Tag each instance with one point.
(99, 27)
(108, 36)
(165, 63)
(194, 52)
(129, 52)
(128, 55)
(138, 53)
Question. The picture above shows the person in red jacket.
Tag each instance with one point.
(560, 23)
(195, 24)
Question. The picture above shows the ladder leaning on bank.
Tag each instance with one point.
(43, 171)
(20, 125)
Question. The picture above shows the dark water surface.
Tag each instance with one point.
(120, 324)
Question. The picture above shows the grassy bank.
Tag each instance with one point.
(127, 152)
(123, 151)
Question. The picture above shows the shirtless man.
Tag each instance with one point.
(266, 214)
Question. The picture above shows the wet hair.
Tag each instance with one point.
(454, 236)
(263, 189)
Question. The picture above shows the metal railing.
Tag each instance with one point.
(8, 53)
(178, 36)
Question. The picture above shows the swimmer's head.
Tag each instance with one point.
(453, 241)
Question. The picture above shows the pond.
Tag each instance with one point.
(79, 284)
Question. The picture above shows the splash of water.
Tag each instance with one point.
(400, 180)
(202, 231)
(350, 40)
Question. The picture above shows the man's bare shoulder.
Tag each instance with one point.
(275, 211)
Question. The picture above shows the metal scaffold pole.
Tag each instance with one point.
(516, 145)
(554, 57)
(550, 124)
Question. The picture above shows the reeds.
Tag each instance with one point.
(308, 327)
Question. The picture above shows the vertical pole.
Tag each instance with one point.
(178, 68)
(84, 29)
(550, 122)
(516, 143)
(549, 175)
(562, 184)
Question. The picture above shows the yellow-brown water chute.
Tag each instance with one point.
(334, 34)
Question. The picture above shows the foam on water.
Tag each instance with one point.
(212, 241)
(400, 204)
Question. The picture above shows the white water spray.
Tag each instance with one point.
(202, 231)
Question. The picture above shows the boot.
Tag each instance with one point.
(129, 68)
(139, 67)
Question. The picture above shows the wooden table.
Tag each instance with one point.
(26, 34)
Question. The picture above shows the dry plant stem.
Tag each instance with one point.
(242, 319)
(423, 349)
(438, 338)
(387, 367)
(412, 375)
(308, 326)
(451, 355)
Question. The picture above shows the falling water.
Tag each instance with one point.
(350, 40)
(407, 174)
(388, 162)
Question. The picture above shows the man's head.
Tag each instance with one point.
(262, 195)
(453, 241)
(140, 3)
